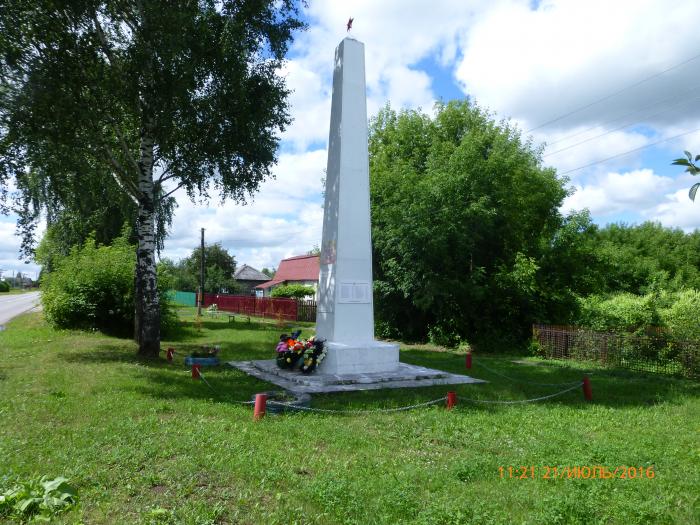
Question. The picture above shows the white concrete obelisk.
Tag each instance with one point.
(345, 316)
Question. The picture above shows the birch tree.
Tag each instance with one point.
(156, 95)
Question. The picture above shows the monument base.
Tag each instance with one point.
(405, 376)
(361, 358)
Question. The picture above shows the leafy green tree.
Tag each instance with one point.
(648, 257)
(571, 265)
(220, 267)
(462, 215)
(270, 272)
(293, 291)
(692, 168)
(155, 96)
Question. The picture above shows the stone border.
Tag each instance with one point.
(408, 376)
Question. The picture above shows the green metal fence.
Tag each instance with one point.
(182, 298)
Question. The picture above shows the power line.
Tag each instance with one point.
(627, 88)
(617, 119)
(615, 129)
(630, 151)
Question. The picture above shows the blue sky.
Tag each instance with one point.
(527, 61)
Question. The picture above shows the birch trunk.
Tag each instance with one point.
(147, 318)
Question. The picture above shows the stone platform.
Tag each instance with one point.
(405, 376)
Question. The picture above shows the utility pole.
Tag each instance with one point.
(201, 277)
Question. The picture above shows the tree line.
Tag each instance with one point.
(470, 244)
(108, 108)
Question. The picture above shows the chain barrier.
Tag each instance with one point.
(328, 410)
(201, 376)
(520, 401)
(408, 407)
(570, 383)
(358, 411)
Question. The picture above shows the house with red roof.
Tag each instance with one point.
(301, 269)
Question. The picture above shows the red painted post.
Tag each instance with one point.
(451, 400)
(195, 371)
(260, 406)
(468, 362)
(587, 393)
(169, 354)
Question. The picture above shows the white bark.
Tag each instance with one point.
(147, 319)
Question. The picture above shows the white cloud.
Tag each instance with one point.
(564, 157)
(677, 211)
(538, 64)
(9, 250)
(531, 62)
(283, 219)
(637, 191)
(309, 103)
(397, 35)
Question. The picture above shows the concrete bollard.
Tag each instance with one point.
(587, 392)
(260, 406)
(451, 400)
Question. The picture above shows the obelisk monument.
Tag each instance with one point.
(345, 315)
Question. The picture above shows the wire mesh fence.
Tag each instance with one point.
(651, 353)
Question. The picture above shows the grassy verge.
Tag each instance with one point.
(144, 443)
(18, 291)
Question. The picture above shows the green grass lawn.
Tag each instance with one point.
(18, 291)
(144, 443)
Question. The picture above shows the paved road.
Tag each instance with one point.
(13, 305)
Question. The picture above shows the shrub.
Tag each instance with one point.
(445, 334)
(622, 312)
(293, 291)
(4, 286)
(682, 317)
(93, 287)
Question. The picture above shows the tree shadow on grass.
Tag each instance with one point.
(241, 350)
(188, 330)
(163, 380)
(222, 383)
(611, 387)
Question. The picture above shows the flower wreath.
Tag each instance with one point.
(292, 351)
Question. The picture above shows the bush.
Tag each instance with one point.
(624, 312)
(682, 317)
(4, 286)
(93, 287)
(293, 291)
(445, 334)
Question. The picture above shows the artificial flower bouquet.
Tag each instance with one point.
(292, 351)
